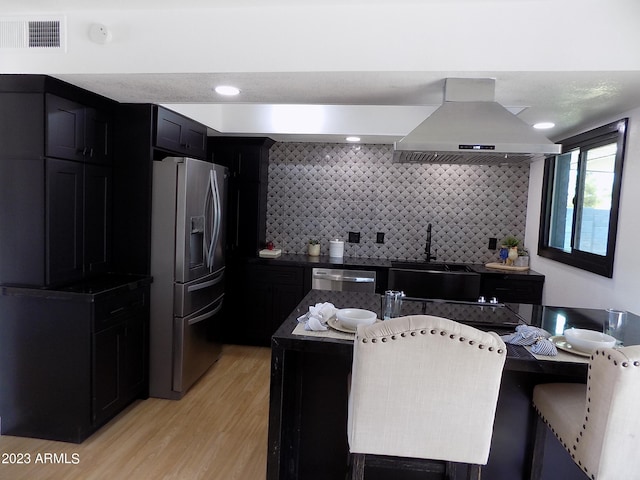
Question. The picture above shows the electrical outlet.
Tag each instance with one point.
(379, 237)
(493, 243)
(354, 237)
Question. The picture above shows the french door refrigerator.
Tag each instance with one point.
(187, 266)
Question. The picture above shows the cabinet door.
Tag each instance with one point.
(285, 299)
(97, 136)
(97, 218)
(194, 140)
(107, 372)
(64, 221)
(168, 130)
(275, 292)
(248, 163)
(22, 229)
(135, 355)
(179, 134)
(64, 128)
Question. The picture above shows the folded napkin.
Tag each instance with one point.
(317, 316)
(534, 336)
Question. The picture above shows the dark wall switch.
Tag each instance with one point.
(379, 237)
(354, 237)
(493, 243)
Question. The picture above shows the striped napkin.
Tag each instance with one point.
(534, 336)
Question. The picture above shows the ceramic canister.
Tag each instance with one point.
(336, 248)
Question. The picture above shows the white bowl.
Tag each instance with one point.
(588, 341)
(352, 317)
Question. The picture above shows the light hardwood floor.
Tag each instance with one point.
(217, 431)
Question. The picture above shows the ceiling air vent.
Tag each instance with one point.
(32, 33)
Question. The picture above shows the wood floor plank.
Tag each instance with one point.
(218, 431)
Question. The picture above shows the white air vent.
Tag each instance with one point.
(38, 33)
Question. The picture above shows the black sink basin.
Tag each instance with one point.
(432, 267)
(435, 280)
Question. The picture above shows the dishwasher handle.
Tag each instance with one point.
(343, 278)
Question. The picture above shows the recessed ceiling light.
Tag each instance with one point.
(227, 90)
(544, 125)
(353, 139)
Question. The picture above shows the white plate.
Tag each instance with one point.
(560, 342)
(334, 323)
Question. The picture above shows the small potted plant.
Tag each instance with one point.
(313, 247)
(523, 257)
(511, 244)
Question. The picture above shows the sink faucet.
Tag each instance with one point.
(427, 248)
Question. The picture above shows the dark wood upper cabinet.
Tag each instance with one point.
(56, 181)
(180, 135)
(98, 198)
(77, 132)
(248, 163)
(64, 221)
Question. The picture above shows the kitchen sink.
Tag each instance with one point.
(433, 267)
(445, 281)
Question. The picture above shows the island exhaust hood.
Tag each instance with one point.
(470, 127)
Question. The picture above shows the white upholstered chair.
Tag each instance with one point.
(597, 423)
(424, 387)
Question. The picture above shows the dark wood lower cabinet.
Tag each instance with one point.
(118, 367)
(267, 295)
(71, 361)
(512, 288)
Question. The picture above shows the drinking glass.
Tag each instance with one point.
(616, 321)
(391, 304)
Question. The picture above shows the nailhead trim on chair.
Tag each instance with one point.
(586, 418)
(443, 333)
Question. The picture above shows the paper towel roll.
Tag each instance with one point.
(336, 248)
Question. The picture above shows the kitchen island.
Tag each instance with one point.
(309, 388)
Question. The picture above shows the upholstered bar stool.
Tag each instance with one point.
(424, 387)
(597, 423)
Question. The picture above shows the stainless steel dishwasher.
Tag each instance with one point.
(343, 280)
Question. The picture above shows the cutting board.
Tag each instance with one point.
(266, 253)
(502, 266)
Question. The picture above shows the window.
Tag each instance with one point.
(580, 198)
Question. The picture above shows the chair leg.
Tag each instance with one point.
(357, 466)
(537, 457)
(474, 472)
(452, 469)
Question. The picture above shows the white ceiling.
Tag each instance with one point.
(346, 67)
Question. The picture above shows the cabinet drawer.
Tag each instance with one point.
(275, 274)
(511, 288)
(116, 308)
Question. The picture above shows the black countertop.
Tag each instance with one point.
(325, 261)
(501, 319)
(87, 290)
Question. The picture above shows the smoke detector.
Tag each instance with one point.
(99, 33)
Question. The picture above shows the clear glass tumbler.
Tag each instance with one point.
(616, 322)
(391, 304)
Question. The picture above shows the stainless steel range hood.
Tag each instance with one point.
(472, 128)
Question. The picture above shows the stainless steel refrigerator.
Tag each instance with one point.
(187, 265)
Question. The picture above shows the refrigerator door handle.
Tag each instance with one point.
(210, 314)
(209, 227)
(210, 283)
(217, 215)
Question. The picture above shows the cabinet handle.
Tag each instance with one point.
(117, 310)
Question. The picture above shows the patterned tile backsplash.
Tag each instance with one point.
(325, 191)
